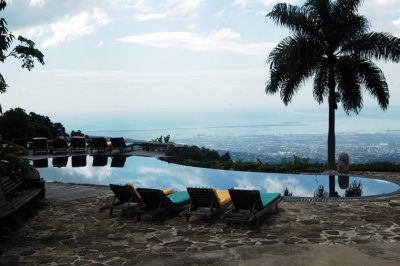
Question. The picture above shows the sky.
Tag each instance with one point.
(171, 60)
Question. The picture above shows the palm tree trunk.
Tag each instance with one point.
(332, 108)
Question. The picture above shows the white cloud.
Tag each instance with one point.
(68, 28)
(100, 44)
(217, 41)
(245, 3)
(37, 3)
(220, 13)
(191, 27)
(174, 9)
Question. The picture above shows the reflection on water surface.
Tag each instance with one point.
(153, 173)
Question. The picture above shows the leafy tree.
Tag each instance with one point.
(331, 42)
(76, 133)
(25, 51)
(16, 123)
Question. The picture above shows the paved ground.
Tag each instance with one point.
(60, 192)
(302, 233)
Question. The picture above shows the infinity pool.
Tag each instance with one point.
(153, 173)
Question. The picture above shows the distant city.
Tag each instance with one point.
(362, 148)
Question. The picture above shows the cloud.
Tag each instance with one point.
(100, 44)
(217, 41)
(191, 27)
(245, 3)
(174, 9)
(68, 28)
(220, 13)
(37, 3)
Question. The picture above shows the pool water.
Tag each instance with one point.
(153, 173)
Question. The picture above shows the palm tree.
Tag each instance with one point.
(331, 43)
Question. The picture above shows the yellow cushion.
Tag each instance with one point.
(134, 190)
(222, 196)
(167, 191)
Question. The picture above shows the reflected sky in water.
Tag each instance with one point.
(153, 173)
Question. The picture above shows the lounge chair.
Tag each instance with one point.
(100, 160)
(41, 163)
(210, 202)
(40, 146)
(78, 144)
(119, 143)
(118, 161)
(60, 161)
(78, 161)
(126, 194)
(60, 146)
(157, 204)
(250, 205)
(21, 141)
(99, 143)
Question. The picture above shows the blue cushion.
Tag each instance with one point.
(267, 198)
(178, 197)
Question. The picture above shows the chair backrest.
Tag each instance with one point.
(118, 142)
(118, 161)
(124, 193)
(60, 144)
(203, 197)
(99, 142)
(39, 143)
(154, 198)
(60, 161)
(244, 199)
(41, 163)
(78, 161)
(100, 160)
(20, 141)
(78, 142)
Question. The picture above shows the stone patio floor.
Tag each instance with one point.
(74, 232)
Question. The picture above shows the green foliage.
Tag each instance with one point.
(160, 139)
(11, 163)
(25, 51)
(320, 192)
(376, 167)
(354, 190)
(16, 123)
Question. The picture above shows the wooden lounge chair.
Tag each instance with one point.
(99, 143)
(40, 146)
(157, 204)
(250, 205)
(125, 194)
(23, 142)
(118, 161)
(207, 202)
(60, 161)
(78, 144)
(41, 163)
(78, 161)
(119, 143)
(100, 160)
(60, 146)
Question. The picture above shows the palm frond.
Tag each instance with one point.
(348, 85)
(374, 81)
(321, 78)
(293, 17)
(375, 45)
(346, 6)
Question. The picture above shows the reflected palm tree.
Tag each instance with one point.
(355, 190)
(332, 187)
(320, 192)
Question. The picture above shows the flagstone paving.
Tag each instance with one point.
(302, 233)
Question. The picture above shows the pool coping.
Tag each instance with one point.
(379, 197)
